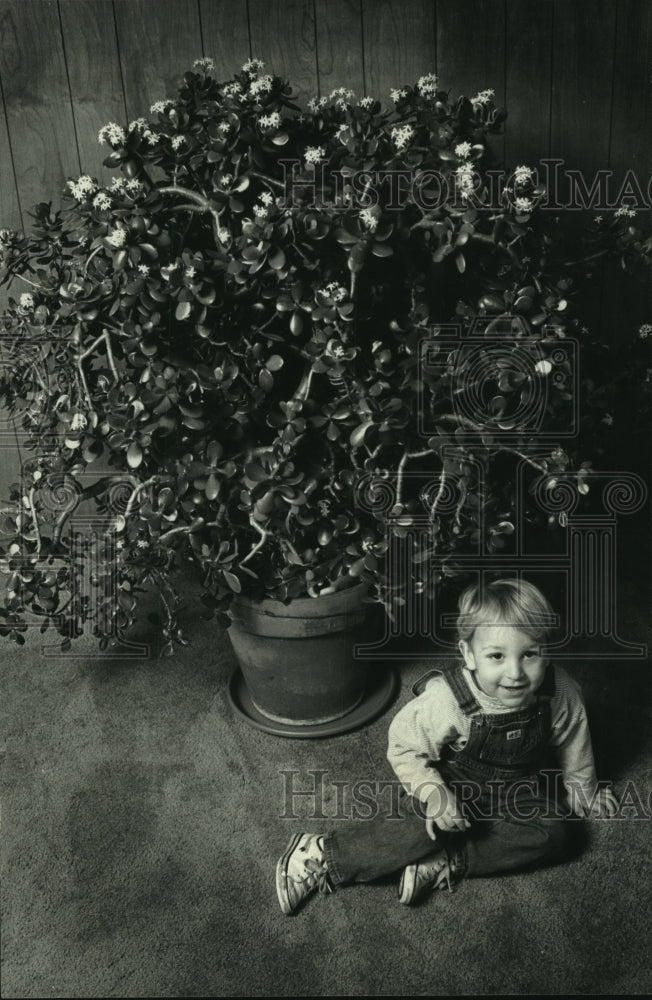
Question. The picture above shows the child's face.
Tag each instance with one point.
(507, 663)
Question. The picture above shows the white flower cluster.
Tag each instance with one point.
(463, 150)
(644, 331)
(204, 65)
(624, 212)
(314, 154)
(78, 422)
(6, 236)
(366, 102)
(427, 85)
(26, 301)
(523, 175)
(232, 89)
(260, 211)
(140, 125)
(82, 187)
(167, 270)
(254, 66)
(112, 133)
(261, 85)
(118, 237)
(267, 198)
(523, 204)
(160, 107)
(142, 543)
(224, 236)
(340, 134)
(226, 180)
(315, 103)
(397, 95)
(484, 97)
(272, 120)
(341, 96)
(333, 290)
(144, 269)
(177, 141)
(464, 177)
(133, 186)
(101, 201)
(324, 507)
(401, 135)
(369, 219)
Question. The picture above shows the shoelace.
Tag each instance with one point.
(315, 874)
(442, 873)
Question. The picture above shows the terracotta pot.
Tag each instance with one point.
(298, 659)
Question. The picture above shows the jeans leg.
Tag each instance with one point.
(535, 837)
(363, 850)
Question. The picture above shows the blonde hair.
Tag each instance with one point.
(505, 602)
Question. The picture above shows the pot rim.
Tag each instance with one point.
(323, 606)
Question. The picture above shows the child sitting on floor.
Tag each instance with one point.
(470, 752)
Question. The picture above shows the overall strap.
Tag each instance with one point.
(420, 686)
(458, 684)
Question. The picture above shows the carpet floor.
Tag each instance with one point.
(142, 819)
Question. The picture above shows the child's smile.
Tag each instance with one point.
(507, 663)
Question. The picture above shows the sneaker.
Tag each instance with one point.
(301, 871)
(434, 872)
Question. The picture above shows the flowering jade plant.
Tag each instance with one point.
(247, 351)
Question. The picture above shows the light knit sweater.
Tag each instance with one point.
(434, 719)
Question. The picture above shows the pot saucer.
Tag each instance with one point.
(381, 688)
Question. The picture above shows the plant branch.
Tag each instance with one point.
(202, 201)
(35, 520)
(132, 499)
(103, 337)
(264, 535)
(268, 180)
(407, 455)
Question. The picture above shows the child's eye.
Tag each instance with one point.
(531, 653)
(495, 656)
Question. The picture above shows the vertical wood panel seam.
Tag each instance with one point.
(314, 25)
(552, 76)
(364, 67)
(504, 77)
(613, 89)
(201, 30)
(251, 50)
(117, 49)
(65, 65)
(434, 27)
(11, 156)
(20, 456)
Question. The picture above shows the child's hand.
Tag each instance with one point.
(443, 812)
(604, 805)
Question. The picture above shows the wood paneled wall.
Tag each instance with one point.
(574, 74)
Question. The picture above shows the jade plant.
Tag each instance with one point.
(241, 352)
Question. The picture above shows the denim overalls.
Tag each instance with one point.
(504, 751)
(513, 825)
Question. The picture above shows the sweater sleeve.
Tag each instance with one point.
(572, 741)
(417, 735)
